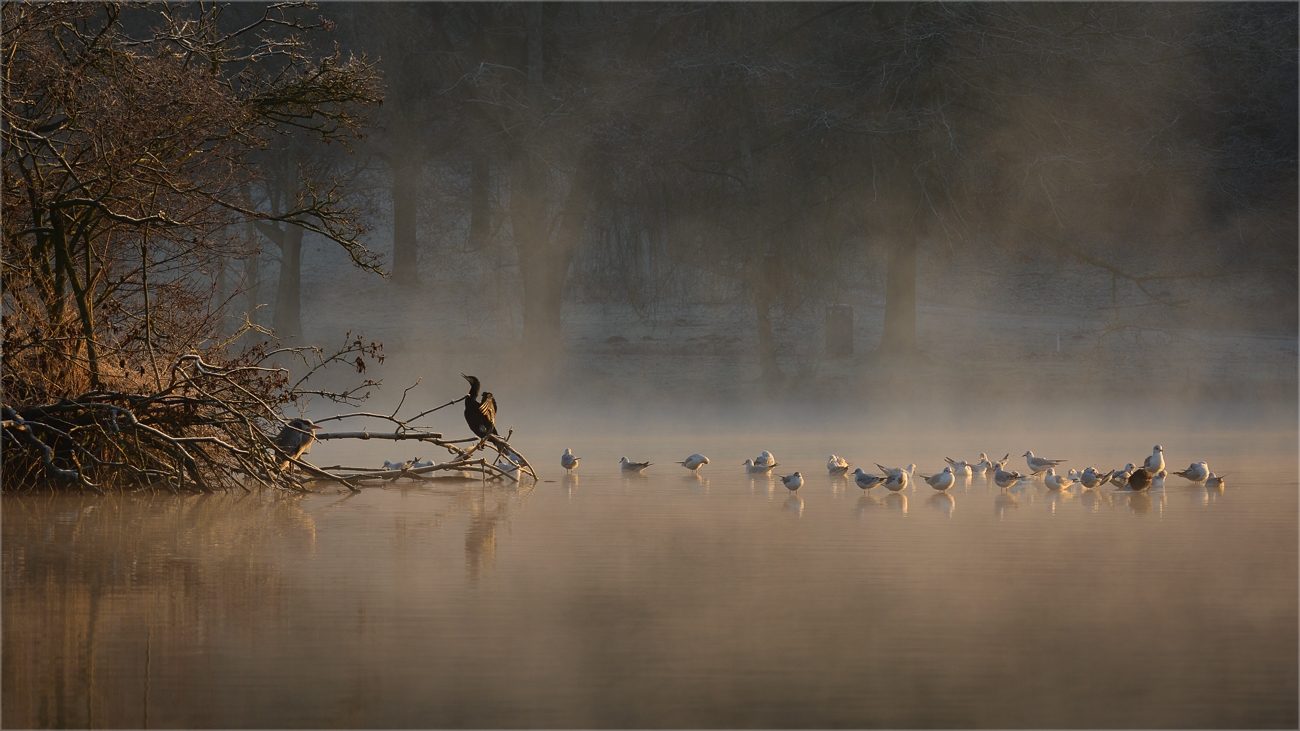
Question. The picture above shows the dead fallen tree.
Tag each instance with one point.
(211, 427)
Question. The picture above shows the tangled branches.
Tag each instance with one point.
(210, 427)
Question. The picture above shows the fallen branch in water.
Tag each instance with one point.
(211, 428)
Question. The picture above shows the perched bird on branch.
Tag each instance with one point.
(480, 414)
(295, 439)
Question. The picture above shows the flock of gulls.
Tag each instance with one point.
(1151, 474)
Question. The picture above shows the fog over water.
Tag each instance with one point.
(896, 233)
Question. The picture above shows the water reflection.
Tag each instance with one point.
(1003, 502)
(867, 503)
(697, 482)
(794, 505)
(1055, 498)
(943, 502)
(1209, 495)
(1092, 500)
(897, 501)
(1139, 502)
(463, 604)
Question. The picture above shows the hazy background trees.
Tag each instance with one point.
(784, 156)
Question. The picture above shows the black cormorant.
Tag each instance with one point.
(295, 439)
(480, 414)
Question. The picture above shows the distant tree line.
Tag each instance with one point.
(769, 144)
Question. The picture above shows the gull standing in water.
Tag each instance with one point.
(891, 471)
(837, 465)
(765, 459)
(694, 462)
(1038, 464)
(1215, 482)
(866, 481)
(1196, 472)
(1055, 481)
(1092, 478)
(896, 481)
(793, 482)
(1119, 478)
(941, 481)
(568, 461)
(1158, 481)
(960, 469)
(987, 464)
(1006, 479)
(751, 467)
(633, 466)
(1156, 461)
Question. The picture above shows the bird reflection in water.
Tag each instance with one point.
(1004, 501)
(794, 505)
(1208, 494)
(1139, 502)
(943, 502)
(897, 501)
(697, 482)
(570, 482)
(488, 508)
(631, 478)
(1056, 498)
(867, 503)
(1093, 500)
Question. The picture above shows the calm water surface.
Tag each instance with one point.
(600, 600)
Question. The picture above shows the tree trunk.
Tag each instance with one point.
(405, 260)
(480, 201)
(764, 287)
(253, 277)
(543, 261)
(288, 299)
(899, 336)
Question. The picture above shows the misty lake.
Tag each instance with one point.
(597, 599)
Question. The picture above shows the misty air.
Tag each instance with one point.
(632, 365)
